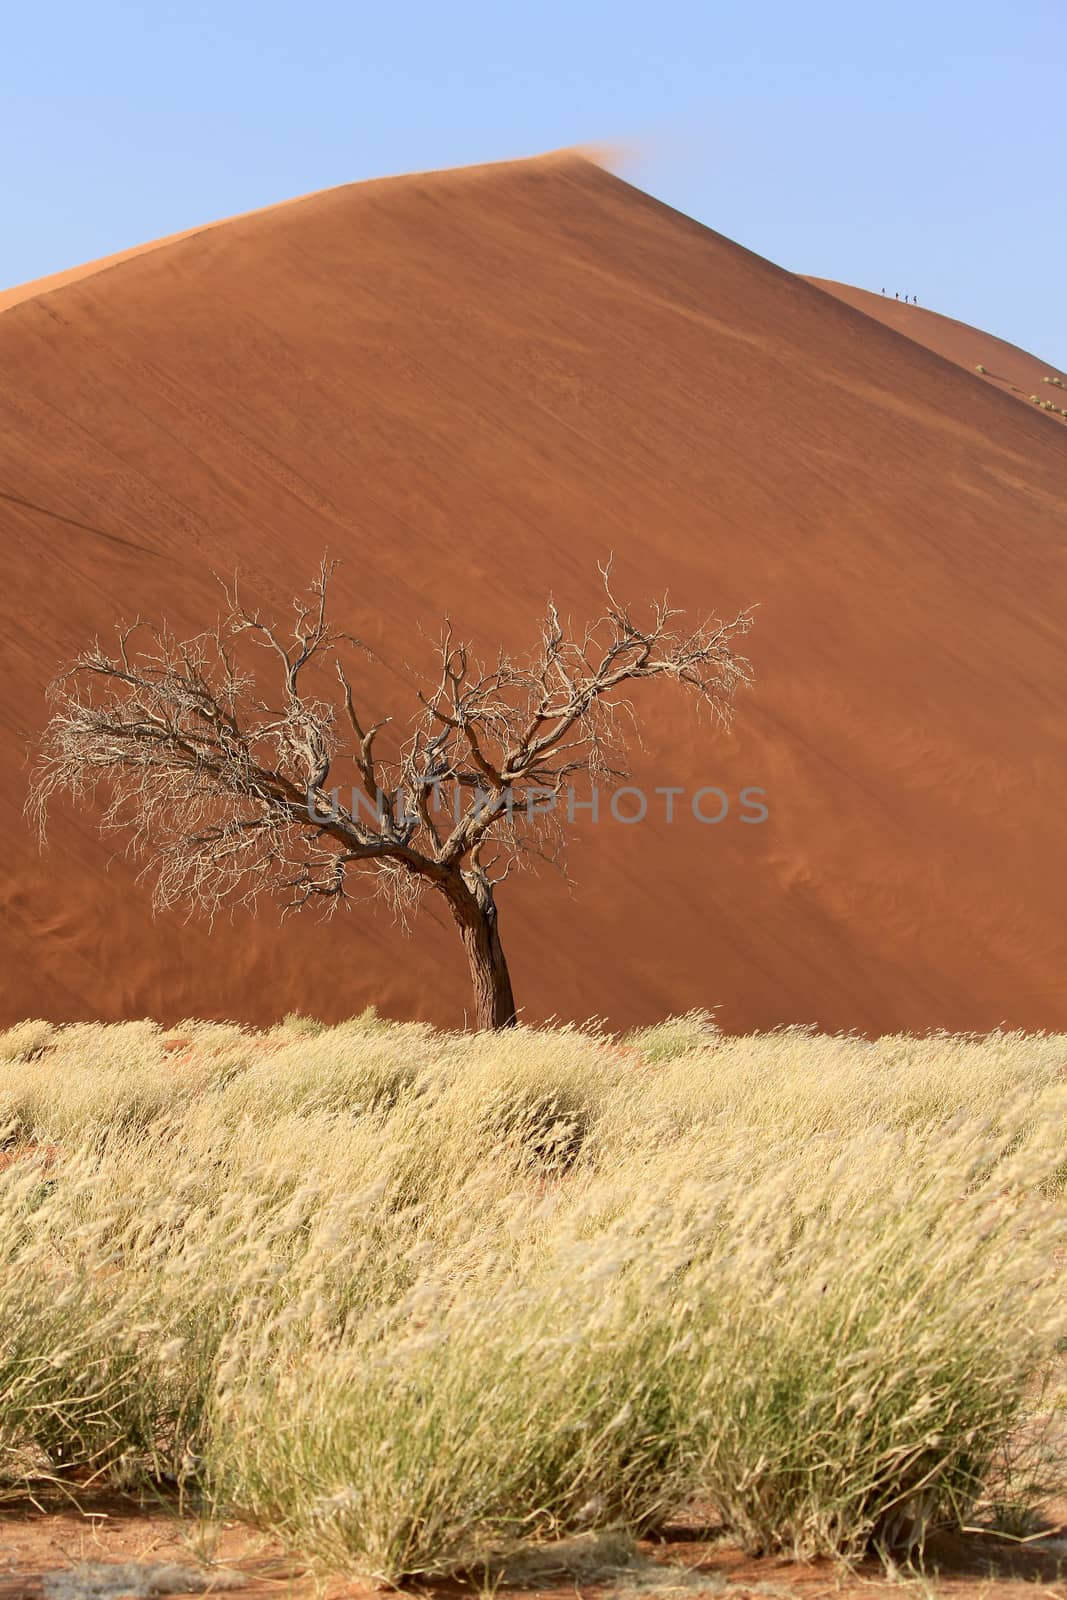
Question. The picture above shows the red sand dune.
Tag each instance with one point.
(472, 385)
(1007, 367)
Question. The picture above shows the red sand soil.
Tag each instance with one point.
(470, 386)
(39, 1542)
(1007, 367)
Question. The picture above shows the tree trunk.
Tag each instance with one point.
(470, 898)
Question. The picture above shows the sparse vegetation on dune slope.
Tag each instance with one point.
(409, 1298)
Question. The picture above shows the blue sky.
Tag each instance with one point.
(916, 146)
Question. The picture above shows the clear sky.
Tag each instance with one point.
(916, 146)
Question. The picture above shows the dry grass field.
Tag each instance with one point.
(416, 1304)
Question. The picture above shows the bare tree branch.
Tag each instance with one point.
(218, 776)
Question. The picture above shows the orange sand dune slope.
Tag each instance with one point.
(58, 280)
(471, 386)
(1007, 367)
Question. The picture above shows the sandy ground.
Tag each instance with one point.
(107, 1547)
(470, 386)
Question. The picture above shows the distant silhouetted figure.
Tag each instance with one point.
(905, 299)
(883, 291)
(896, 294)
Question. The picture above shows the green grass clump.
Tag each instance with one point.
(411, 1299)
(696, 1030)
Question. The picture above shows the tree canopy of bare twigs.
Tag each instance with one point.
(233, 777)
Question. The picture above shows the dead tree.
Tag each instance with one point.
(224, 779)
